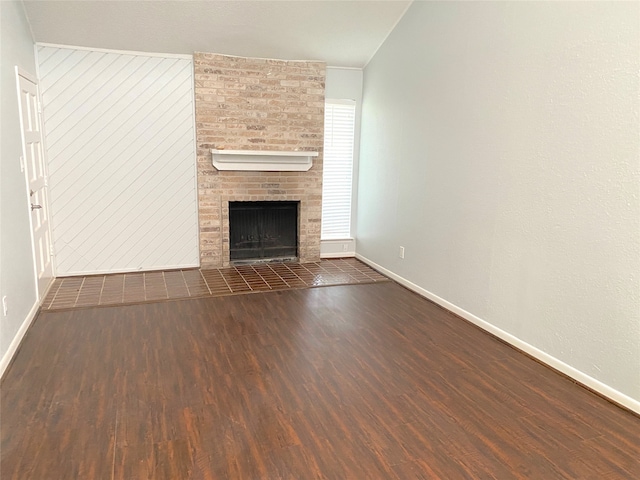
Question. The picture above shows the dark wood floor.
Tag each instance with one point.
(348, 382)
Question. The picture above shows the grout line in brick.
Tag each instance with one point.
(242, 277)
(224, 280)
(204, 280)
(279, 276)
(186, 283)
(258, 273)
(104, 277)
(299, 278)
(79, 290)
(55, 294)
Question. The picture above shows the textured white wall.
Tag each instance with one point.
(17, 275)
(121, 151)
(500, 146)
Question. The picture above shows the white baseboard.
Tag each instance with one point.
(338, 255)
(559, 365)
(338, 248)
(15, 343)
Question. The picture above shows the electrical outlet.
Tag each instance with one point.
(344, 247)
(401, 252)
(5, 306)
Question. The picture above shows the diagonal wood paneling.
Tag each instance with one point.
(120, 142)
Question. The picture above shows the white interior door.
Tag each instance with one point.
(36, 174)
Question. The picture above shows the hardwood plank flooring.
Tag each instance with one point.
(347, 382)
(140, 287)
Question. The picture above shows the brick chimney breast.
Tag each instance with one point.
(257, 104)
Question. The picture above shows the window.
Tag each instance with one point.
(339, 122)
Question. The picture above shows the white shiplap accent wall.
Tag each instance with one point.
(120, 140)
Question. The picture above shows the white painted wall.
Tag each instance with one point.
(346, 84)
(120, 143)
(500, 147)
(17, 275)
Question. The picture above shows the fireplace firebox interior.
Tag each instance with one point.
(262, 231)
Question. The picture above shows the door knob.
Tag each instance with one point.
(35, 207)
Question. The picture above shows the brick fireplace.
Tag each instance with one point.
(257, 104)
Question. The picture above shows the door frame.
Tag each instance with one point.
(23, 168)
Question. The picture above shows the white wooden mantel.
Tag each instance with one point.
(262, 160)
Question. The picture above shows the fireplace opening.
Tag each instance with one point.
(263, 231)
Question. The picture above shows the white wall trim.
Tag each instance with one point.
(19, 72)
(581, 377)
(45, 156)
(121, 52)
(338, 255)
(17, 340)
(34, 79)
(23, 73)
(22, 331)
(344, 68)
(338, 248)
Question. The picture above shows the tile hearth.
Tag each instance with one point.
(139, 287)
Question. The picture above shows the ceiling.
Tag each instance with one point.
(343, 33)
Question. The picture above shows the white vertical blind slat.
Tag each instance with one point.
(337, 169)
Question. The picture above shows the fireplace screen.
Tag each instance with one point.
(263, 230)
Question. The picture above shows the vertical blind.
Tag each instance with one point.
(339, 121)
